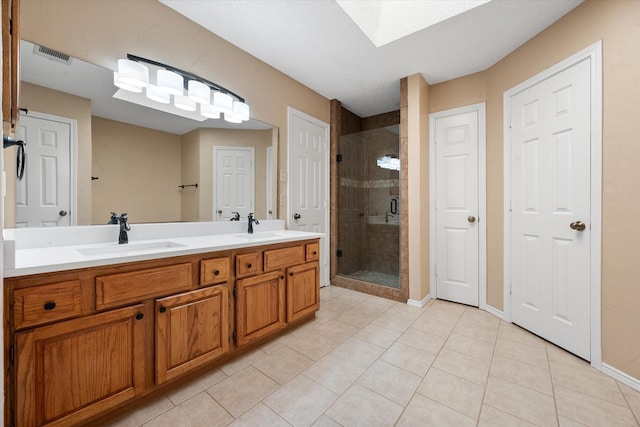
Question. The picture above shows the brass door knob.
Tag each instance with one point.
(578, 226)
(471, 219)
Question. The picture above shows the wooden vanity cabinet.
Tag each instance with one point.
(69, 371)
(192, 329)
(303, 292)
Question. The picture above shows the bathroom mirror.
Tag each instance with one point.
(129, 157)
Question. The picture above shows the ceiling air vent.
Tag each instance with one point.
(51, 54)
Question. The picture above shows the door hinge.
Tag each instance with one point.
(339, 158)
(510, 288)
(235, 292)
(235, 336)
(339, 253)
(12, 355)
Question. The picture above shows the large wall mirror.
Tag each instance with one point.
(125, 157)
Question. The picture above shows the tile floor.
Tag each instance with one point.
(368, 361)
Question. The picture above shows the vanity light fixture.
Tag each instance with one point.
(188, 90)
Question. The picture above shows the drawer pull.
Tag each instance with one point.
(50, 306)
(139, 316)
(282, 277)
(162, 309)
(291, 274)
(216, 273)
(249, 265)
(315, 253)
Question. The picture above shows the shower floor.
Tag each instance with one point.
(384, 279)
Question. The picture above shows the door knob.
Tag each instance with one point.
(63, 213)
(220, 212)
(471, 219)
(296, 216)
(578, 226)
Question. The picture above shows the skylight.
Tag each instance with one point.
(385, 21)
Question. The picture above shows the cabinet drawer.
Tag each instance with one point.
(247, 264)
(43, 304)
(313, 251)
(123, 288)
(279, 258)
(215, 270)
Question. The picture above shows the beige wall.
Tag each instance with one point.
(139, 171)
(43, 100)
(616, 24)
(101, 33)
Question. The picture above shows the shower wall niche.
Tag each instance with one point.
(369, 206)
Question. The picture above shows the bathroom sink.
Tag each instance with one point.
(259, 235)
(128, 248)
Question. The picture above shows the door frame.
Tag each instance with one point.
(291, 114)
(594, 53)
(73, 159)
(217, 148)
(480, 109)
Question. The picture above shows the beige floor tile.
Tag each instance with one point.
(283, 364)
(522, 373)
(567, 422)
(405, 311)
(524, 353)
(633, 399)
(383, 302)
(337, 331)
(370, 309)
(453, 392)
(481, 317)
(305, 329)
(393, 322)
(277, 343)
(142, 414)
(449, 306)
(592, 411)
(376, 335)
(313, 346)
(390, 381)
(443, 314)
(515, 333)
(492, 417)
(337, 305)
(472, 329)
(196, 386)
(200, 410)
(324, 315)
(259, 415)
(422, 411)
(360, 406)
(408, 358)
(335, 373)
(355, 318)
(592, 383)
(469, 346)
(242, 362)
(301, 401)
(463, 366)
(422, 340)
(325, 421)
(521, 402)
(242, 390)
(433, 326)
(358, 350)
(558, 356)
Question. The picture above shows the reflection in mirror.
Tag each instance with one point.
(116, 156)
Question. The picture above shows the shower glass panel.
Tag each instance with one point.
(369, 206)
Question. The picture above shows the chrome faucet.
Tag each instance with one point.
(251, 221)
(113, 219)
(124, 227)
(235, 217)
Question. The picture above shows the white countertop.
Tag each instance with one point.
(45, 259)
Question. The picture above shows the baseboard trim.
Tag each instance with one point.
(618, 375)
(419, 304)
(492, 310)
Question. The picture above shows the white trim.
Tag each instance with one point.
(216, 149)
(419, 304)
(73, 156)
(291, 113)
(269, 183)
(618, 375)
(492, 310)
(594, 53)
(480, 108)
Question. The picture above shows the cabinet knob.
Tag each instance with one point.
(315, 253)
(291, 274)
(216, 273)
(162, 309)
(139, 316)
(249, 265)
(50, 305)
(282, 277)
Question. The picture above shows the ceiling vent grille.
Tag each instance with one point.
(51, 54)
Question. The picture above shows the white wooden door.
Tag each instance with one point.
(550, 196)
(43, 196)
(457, 207)
(308, 180)
(233, 182)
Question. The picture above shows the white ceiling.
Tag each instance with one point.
(316, 43)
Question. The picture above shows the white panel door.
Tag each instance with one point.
(457, 189)
(550, 187)
(233, 182)
(43, 196)
(308, 181)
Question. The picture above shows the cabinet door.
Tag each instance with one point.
(260, 305)
(191, 329)
(69, 371)
(303, 290)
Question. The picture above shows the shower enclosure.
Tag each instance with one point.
(369, 206)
